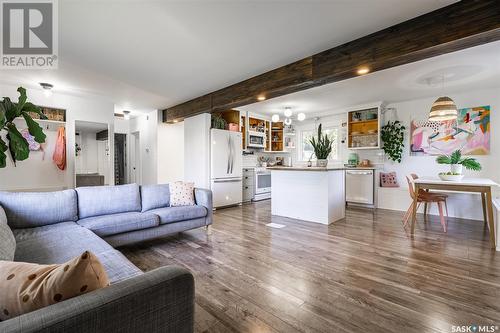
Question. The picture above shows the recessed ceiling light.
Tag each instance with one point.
(301, 116)
(363, 70)
(275, 118)
(261, 98)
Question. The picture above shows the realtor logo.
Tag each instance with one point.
(29, 34)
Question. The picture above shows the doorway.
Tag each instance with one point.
(135, 158)
(120, 159)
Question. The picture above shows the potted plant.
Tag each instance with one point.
(322, 145)
(457, 163)
(16, 144)
(218, 122)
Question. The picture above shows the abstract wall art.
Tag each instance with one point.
(470, 133)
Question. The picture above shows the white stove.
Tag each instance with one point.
(262, 184)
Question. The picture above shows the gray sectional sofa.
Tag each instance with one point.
(53, 227)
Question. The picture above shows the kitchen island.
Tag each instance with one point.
(311, 194)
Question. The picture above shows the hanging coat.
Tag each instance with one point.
(59, 156)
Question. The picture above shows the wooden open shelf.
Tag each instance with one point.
(358, 123)
(277, 133)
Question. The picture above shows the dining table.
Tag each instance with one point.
(473, 185)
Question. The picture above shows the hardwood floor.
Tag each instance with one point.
(361, 274)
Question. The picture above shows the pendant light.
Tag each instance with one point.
(444, 108)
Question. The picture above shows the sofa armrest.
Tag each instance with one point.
(161, 300)
(203, 198)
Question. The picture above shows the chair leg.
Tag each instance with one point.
(443, 222)
(425, 211)
(208, 229)
(406, 217)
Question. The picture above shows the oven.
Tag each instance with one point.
(262, 184)
(256, 139)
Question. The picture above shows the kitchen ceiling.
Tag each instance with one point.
(473, 68)
(155, 54)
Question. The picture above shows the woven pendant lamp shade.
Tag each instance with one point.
(443, 109)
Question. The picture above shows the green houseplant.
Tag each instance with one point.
(322, 145)
(457, 163)
(218, 122)
(16, 144)
(392, 134)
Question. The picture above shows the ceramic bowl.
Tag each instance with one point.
(452, 178)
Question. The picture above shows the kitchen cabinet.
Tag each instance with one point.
(277, 136)
(248, 184)
(363, 128)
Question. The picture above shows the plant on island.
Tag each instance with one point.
(322, 145)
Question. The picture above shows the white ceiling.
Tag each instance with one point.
(155, 54)
(87, 126)
(473, 68)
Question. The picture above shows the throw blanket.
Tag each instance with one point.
(59, 156)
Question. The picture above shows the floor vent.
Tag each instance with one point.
(276, 225)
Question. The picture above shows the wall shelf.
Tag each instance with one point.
(359, 125)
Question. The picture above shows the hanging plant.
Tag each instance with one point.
(392, 135)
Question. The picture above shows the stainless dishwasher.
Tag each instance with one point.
(359, 186)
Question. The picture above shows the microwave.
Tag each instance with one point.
(256, 139)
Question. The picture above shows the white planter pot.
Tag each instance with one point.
(321, 163)
(456, 168)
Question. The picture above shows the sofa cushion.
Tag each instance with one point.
(182, 194)
(34, 209)
(106, 225)
(58, 243)
(155, 196)
(7, 240)
(181, 213)
(104, 200)
(26, 287)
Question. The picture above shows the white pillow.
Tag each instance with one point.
(181, 194)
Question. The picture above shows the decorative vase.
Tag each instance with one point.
(321, 163)
(456, 168)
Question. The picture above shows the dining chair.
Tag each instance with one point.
(427, 198)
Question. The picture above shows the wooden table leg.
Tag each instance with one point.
(414, 213)
(483, 199)
(491, 223)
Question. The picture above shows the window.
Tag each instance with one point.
(306, 150)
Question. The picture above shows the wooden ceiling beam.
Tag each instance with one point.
(455, 27)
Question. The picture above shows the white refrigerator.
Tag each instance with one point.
(225, 167)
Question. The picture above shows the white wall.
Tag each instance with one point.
(87, 159)
(147, 126)
(38, 174)
(460, 205)
(170, 152)
(197, 150)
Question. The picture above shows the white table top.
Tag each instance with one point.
(465, 181)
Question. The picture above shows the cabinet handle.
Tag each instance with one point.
(246, 187)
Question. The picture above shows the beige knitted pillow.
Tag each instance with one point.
(25, 287)
(181, 194)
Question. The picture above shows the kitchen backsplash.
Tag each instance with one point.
(250, 161)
